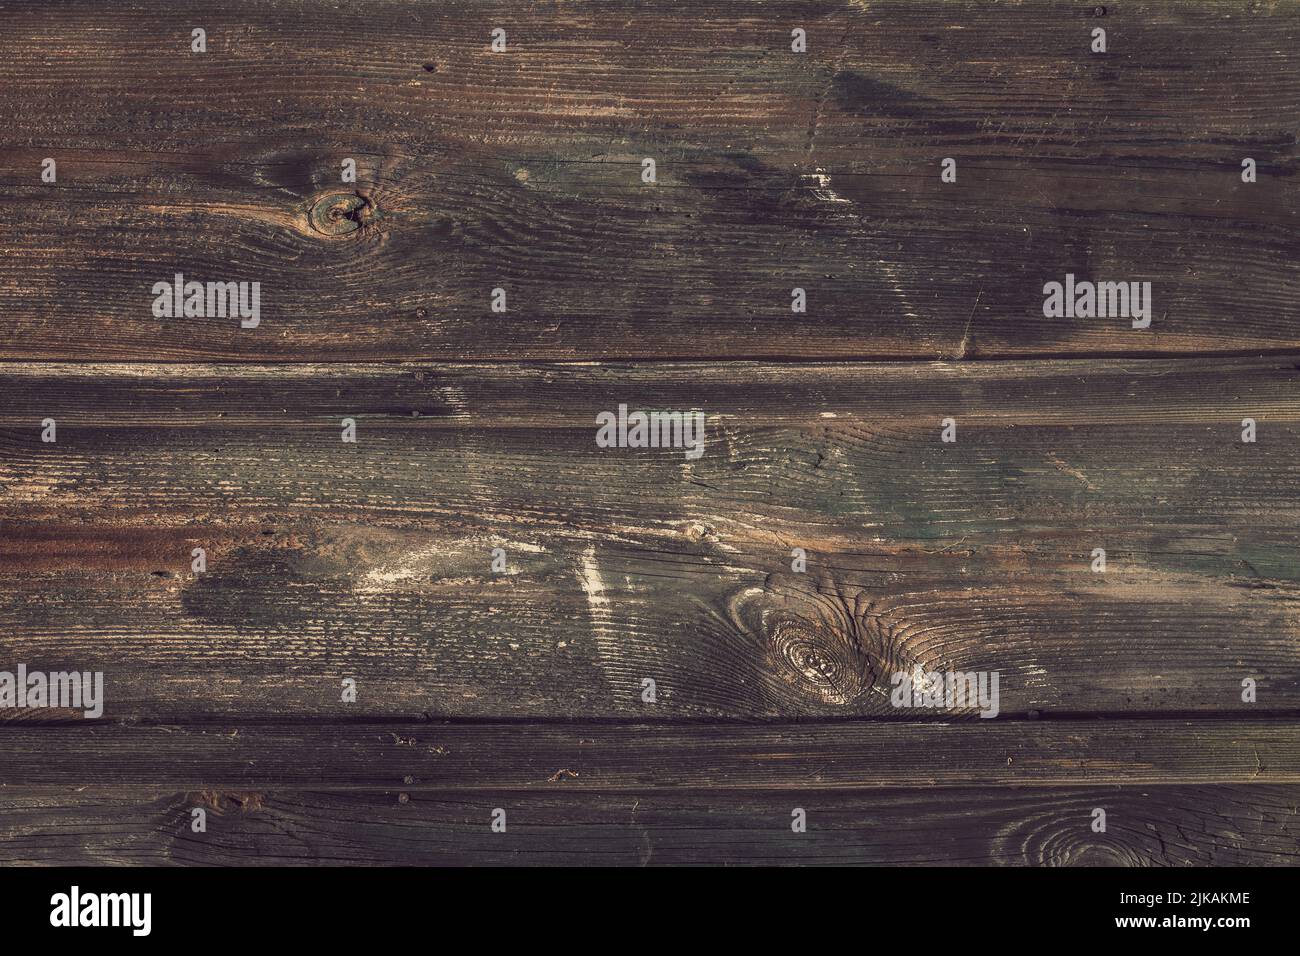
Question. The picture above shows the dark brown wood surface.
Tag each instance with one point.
(373, 560)
(979, 826)
(476, 430)
(610, 757)
(522, 171)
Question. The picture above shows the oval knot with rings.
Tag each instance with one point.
(342, 214)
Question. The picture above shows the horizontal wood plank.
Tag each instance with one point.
(998, 826)
(633, 757)
(521, 170)
(372, 561)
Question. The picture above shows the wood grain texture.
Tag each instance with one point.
(520, 170)
(372, 561)
(1159, 826)
(609, 757)
(476, 430)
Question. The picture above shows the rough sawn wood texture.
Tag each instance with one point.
(523, 689)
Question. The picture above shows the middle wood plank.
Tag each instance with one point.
(373, 560)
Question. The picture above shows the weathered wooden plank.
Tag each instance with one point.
(328, 560)
(573, 629)
(521, 170)
(637, 757)
(1159, 826)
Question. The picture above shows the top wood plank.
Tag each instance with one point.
(521, 170)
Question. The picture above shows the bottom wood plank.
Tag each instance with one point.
(1158, 826)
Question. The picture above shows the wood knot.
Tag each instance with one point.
(821, 658)
(342, 214)
(1050, 836)
(815, 647)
